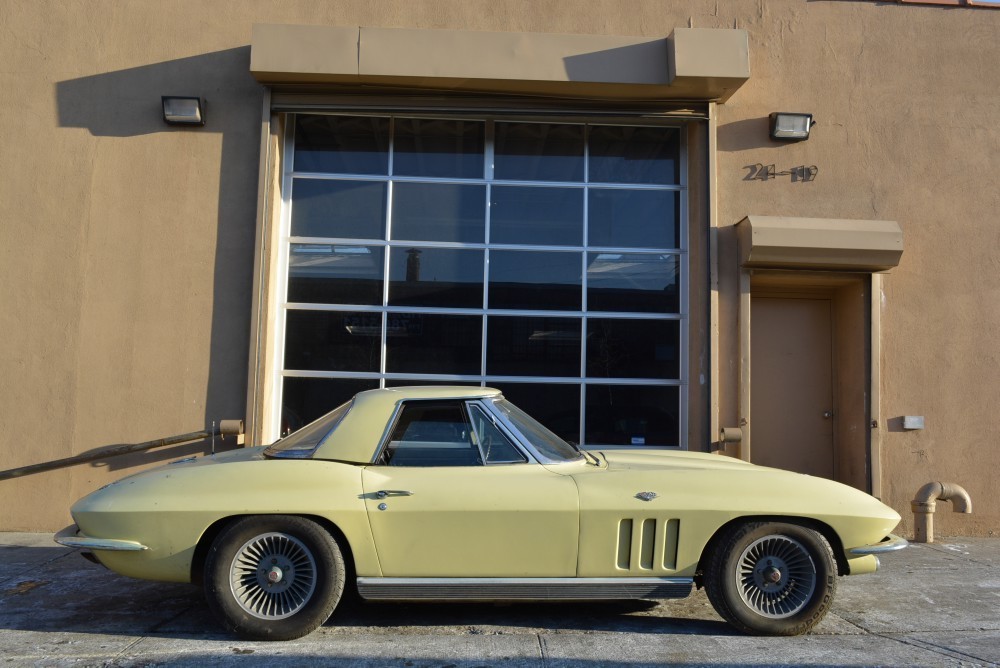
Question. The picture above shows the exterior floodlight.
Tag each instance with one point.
(790, 127)
(183, 110)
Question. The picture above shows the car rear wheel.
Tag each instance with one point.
(771, 578)
(273, 577)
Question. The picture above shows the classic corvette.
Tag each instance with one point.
(454, 493)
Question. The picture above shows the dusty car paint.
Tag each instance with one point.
(644, 516)
(169, 509)
(500, 521)
(699, 493)
(360, 432)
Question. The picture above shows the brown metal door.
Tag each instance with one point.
(791, 386)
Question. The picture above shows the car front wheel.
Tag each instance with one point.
(771, 578)
(273, 577)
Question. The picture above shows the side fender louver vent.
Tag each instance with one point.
(648, 544)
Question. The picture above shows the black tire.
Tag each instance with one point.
(771, 578)
(273, 577)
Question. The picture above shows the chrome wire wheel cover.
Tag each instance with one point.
(273, 576)
(776, 576)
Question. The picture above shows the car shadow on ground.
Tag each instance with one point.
(496, 618)
(56, 590)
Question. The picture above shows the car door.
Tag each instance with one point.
(450, 498)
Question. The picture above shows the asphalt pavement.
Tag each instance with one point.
(929, 605)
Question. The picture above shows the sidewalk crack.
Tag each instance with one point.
(932, 647)
(541, 649)
(121, 654)
(33, 568)
(155, 628)
(965, 556)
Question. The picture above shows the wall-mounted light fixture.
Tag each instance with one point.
(790, 127)
(183, 110)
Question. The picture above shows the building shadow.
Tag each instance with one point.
(644, 63)
(126, 103)
(751, 133)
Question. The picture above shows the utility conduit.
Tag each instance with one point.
(925, 503)
(225, 428)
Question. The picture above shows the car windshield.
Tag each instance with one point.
(546, 444)
(303, 442)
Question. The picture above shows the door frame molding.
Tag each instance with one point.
(874, 284)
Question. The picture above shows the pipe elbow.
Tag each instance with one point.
(925, 502)
(927, 496)
(928, 493)
(961, 502)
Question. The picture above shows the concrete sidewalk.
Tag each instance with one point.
(929, 605)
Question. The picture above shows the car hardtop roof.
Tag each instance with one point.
(395, 394)
(358, 434)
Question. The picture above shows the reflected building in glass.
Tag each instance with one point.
(547, 259)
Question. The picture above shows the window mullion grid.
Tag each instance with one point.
(344, 241)
(283, 260)
(449, 310)
(390, 190)
(489, 157)
(684, 399)
(476, 378)
(583, 282)
(683, 350)
(489, 162)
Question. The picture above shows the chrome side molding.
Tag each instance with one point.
(522, 589)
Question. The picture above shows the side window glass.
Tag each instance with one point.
(493, 443)
(431, 433)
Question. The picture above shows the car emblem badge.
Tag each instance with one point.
(646, 496)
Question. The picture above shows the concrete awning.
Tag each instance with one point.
(699, 64)
(819, 243)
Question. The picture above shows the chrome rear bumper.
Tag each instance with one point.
(71, 537)
(890, 543)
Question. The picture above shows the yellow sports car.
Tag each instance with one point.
(453, 493)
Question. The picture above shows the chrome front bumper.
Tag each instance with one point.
(71, 537)
(890, 543)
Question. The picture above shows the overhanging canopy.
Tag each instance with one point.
(692, 64)
(819, 243)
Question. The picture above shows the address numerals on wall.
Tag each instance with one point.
(761, 172)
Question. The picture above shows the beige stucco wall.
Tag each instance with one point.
(126, 248)
(906, 100)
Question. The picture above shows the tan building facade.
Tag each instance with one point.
(579, 203)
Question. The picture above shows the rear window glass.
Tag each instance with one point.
(302, 443)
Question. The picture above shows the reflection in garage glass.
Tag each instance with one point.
(548, 258)
(335, 274)
(448, 277)
(538, 152)
(340, 208)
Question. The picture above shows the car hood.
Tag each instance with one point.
(624, 460)
(706, 484)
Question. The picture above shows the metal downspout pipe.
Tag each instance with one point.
(925, 503)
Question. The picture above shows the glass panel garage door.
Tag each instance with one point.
(546, 259)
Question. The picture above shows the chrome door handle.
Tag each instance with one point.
(827, 415)
(382, 493)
